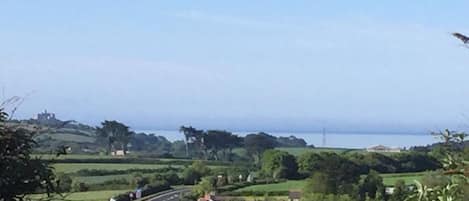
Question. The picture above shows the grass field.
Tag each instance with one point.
(409, 178)
(86, 196)
(93, 156)
(67, 137)
(73, 156)
(74, 167)
(284, 186)
(101, 179)
(388, 180)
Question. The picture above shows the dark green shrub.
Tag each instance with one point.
(64, 183)
(102, 172)
(80, 187)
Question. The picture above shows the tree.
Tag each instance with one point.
(206, 185)
(150, 143)
(291, 141)
(193, 139)
(221, 141)
(309, 162)
(178, 148)
(372, 186)
(416, 162)
(456, 173)
(336, 172)
(320, 183)
(64, 183)
(138, 180)
(112, 132)
(400, 191)
(374, 161)
(193, 173)
(279, 164)
(20, 173)
(256, 144)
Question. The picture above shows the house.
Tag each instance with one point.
(389, 190)
(118, 153)
(382, 148)
(207, 197)
(294, 196)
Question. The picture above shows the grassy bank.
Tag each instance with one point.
(84, 196)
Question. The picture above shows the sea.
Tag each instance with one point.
(336, 140)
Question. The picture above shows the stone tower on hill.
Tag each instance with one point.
(46, 118)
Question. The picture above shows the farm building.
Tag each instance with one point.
(118, 153)
(382, 148)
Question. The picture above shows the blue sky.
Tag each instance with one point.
(240, 65)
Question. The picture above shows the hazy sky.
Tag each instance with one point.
(240, 65)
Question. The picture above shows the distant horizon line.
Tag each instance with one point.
(312, 132)
(397, 131)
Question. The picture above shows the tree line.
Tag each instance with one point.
(219, 144)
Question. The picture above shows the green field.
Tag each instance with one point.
(74, 156)
(86, 196)
(388, 180)
(67, 137)
(101, 179)
(284, 186)
(409, 178)
(74, 167)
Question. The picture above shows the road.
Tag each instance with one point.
(170, 196)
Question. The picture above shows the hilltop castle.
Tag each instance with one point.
(46, 118)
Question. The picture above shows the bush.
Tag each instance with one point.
(122, 197)
(114, 184)
(80, 187)
(193, 173)
(102, 172)
(279, 164)
(239, 185)
(171, 177)
(139, 180)
(148, 189)
(155, 188)
(64, 183)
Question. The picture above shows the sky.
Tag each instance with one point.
(240, 65)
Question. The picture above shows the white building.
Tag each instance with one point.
(382, 148)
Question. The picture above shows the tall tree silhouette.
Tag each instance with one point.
(114, 132)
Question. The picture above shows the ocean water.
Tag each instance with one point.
(342, 140)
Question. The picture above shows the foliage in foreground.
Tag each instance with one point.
(20, 173)
(456, 172)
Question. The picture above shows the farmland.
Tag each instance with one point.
(101, 179)
(409, 178)
(388, 180)
(284, 186)
(74, 167)
(85, 196)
